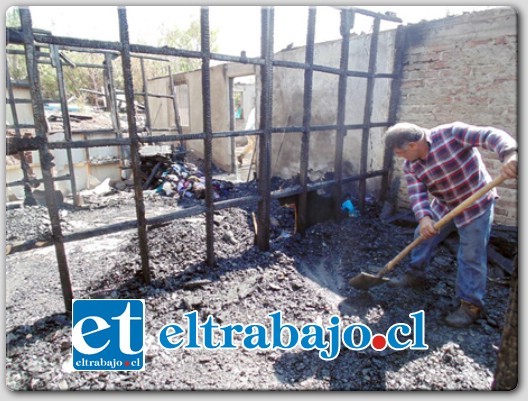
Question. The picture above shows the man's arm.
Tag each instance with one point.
(490, 138)
(420, 205)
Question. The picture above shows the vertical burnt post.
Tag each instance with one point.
(29, 200)
(148, 123)
(111, 101)
(307, 117)
(367, 113)
(347, 22)
(177, 118)
(399, 55)
(66, 124)
(46, 157)
(506, 375)
(134, 142)
(266, 102)
(208, 131)
(232, 124)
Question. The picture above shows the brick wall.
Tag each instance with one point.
(464, 69)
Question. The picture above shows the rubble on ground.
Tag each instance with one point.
(304, 277)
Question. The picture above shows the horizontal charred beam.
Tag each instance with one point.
(15, 145)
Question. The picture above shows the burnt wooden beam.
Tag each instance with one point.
(14, 144)
(499, 260)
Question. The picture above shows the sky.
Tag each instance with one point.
(238, 26)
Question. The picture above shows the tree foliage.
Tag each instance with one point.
(12, 17)
(78, 77)
(16, 64)
(188, 39)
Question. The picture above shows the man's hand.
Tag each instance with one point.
(427, 229)
(509, 166)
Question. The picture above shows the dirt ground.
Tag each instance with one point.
(304, 277)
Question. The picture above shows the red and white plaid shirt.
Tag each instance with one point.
(454, 170)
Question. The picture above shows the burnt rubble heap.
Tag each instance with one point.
(178, 179)
(304, 277)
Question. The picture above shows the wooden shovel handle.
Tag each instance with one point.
(442, 222)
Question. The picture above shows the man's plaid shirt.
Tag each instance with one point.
(454, 170)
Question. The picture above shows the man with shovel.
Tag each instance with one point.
(443, 167)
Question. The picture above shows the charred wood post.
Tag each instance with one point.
(111, 101)
(148, 124)
(399, 53)
(177, 117)
(45, 155)
(232, 124)
(208, 131)
(347, 22)
(266, 103)
(29, 200)
(307, 118)
(367, 112)
(66, 124)
(134, 143)
(506, 376)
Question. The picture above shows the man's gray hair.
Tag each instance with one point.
(401, 134)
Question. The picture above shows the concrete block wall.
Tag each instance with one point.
(163, 109)
(288, 92)
(464, 68)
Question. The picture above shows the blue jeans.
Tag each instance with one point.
(472, 256)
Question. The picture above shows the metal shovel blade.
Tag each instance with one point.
(364, 281)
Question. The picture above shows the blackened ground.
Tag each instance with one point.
(304, 277)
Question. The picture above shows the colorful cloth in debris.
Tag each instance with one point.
(184, 180)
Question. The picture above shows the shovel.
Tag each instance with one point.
(364, 281)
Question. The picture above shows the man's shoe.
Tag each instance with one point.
(464, 316)
(408, 280)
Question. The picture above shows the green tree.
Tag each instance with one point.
(16, 63)
(175, 37)
(188, 39)
(12, 17)
(77, 78)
